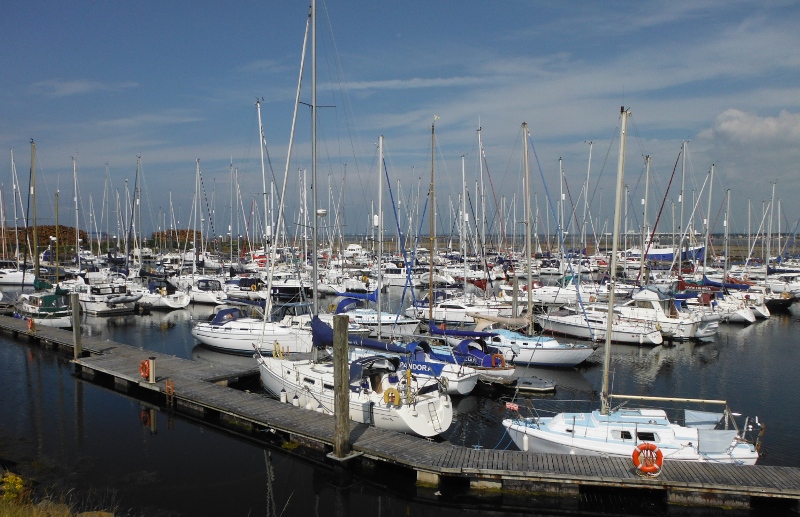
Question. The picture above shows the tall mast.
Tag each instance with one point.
(604, 395)
(527, 226)
(645, 229)
(482, 193)
(379, 223)
(15, 190)
(679, 251)
(586, 199)
(77, 224)
(464, 221)
(33, 200)
(708, 221)
(315, 279)
(725, 223)
(261, 143)
(432, 231)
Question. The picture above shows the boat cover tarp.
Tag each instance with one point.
(459, 332)
(702, 419)
(711, 441)
(484, 320)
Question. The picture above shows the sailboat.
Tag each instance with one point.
(47, 307)
(380, 392)
(621, 431)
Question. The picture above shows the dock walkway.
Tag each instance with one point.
(201, 389)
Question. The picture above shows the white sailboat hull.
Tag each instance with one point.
(312, 386)
(239, 336)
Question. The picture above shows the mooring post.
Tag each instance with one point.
(341, 387)
(152, 377)
(76, 326)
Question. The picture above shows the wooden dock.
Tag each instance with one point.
(200, 390)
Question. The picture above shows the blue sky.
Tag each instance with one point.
(174, 82)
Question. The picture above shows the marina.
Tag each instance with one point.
(201, 392)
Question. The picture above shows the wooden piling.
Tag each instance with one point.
(341, 386)
(76, 326)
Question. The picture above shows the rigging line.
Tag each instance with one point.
(494, 193)
(345, 100)
(574, 215)
(481, 250)
(603, 167)
(416, 246)
(208, 208)
(560, 234)
(401, 243)
(660, 211)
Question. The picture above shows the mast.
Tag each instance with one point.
(315, 279)
(378, 221)
(282, 198)
(725, 223)
(645, 229)
(261, 143)
(604, 394)
(77, 224)
(527, 227)
(586, 200)
(482, 194)
(708, 221)
(55, 239)
(33, 199)
(15, 190)
(433, 231)
(679, 251)
(464, 223)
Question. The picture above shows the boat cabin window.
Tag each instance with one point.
(642, 436)
(646, 437)
(328, 386)
(308, 380)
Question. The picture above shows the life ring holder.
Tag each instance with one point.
(144, 369)
(392, 397)
(648, 458)
(498, 359)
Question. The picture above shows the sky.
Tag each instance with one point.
(171, 83)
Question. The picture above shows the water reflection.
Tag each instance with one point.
(79, 435)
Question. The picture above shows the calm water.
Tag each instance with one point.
(70, 433)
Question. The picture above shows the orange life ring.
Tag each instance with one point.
(647, 458)
(498, 358)
(144, 369)
(31, 326)
(145, 417)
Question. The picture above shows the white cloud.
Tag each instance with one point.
(60, 88)
(150, 119)
(737, 127)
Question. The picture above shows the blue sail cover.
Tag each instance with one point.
(322, 336)
(741, 287)
(372, 297)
